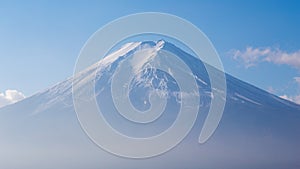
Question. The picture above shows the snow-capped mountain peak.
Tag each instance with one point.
(255, 125)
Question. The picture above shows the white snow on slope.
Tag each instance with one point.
(122, 51)
(246, 99)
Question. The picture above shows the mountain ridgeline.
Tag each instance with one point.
(258, 129)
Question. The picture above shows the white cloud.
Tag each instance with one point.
(295, 99)
(270, 89)
(10, 96)
(297, 79)
(286, 97)
(252, 56)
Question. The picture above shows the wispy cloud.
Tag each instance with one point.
(252, 56)
(10, 96)
(295, 99)
(297, 79)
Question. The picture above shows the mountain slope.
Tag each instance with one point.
(258, 129)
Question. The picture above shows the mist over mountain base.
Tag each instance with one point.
(257, 130)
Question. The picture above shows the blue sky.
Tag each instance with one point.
(40, 40)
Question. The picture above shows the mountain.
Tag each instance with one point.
(257, 130)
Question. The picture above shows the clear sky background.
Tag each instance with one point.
(258, 41)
